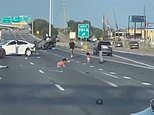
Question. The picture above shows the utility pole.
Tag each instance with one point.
(50, 18)
(32, 27)
(64, 9)
(144, 24)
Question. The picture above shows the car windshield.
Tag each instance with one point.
(106, 43)
(76, 57)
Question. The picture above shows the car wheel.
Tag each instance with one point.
(2, 53)
(28, 52)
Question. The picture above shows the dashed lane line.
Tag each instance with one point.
(111, 75)
(100, 69)
(59, 87)
(31, 63)
(41, 71)
(148, 84)
(92, 66)
(125, 77)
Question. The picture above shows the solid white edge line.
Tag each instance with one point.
(145, 67)
(110, 83)
(59, 87)
(133, 61)
(134, 53)
(41, 71)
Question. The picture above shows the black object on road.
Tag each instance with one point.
(99, 101)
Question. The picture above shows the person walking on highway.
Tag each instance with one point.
(100, 52)
(72, 46)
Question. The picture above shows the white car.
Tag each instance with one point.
(17, 47)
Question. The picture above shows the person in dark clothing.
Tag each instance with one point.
(72, 46)
(100, 52)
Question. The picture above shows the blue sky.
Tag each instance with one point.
(92, 10)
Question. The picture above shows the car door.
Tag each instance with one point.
(22, 46)
(10, 48)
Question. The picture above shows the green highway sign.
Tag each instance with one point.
(25, 19)
(6, 20)
(83, 31)
(16, 19)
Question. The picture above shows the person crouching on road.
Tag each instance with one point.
(61, 63)
(88, 57)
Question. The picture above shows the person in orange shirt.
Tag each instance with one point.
(61, 63)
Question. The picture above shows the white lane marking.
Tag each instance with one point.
(114, 61)
(1, 66)
(140, 66)
(127, 77)
(91, 66)
(134, 61)
(111, 75)
(146, 84)
(0, 78)
(134, 53)
(25, 58)
(41, 71)
(110, 83)
(59, 71)
(83, 63)
(77, 62)
(68, 61)
(38, 57)
(100, 69)
(59, 87)
(72, 60)
(31, 63)
(128, 52)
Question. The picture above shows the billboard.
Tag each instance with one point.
(137, 18)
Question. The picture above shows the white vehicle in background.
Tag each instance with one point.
(17, 47)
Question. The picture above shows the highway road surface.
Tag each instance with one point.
(35, 86)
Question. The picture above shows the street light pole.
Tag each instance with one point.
(50, 19)
(32, 27)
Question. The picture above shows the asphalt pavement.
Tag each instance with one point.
(34, 85)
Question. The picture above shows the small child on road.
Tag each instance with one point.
(61, 63)
(88, 57)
